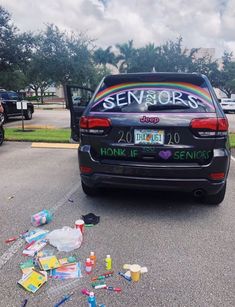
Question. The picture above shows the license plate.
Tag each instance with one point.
(150, 137)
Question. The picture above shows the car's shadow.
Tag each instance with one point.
(147, 203)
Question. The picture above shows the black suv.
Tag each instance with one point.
(9, 101)
(163, 131)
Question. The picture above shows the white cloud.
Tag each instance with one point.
(201, 23)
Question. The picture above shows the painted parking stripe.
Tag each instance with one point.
(10, 252)
(232, 158)
(55, 145)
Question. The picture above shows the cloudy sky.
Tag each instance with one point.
(204, 23)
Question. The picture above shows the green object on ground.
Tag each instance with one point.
(89, 225)
(54, 136)
(38, 135)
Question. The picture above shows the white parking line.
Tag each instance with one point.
(9, 253)
(232, 158)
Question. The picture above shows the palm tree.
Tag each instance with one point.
(126, 56)
(105, 56)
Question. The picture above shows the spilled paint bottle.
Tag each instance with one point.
(108, 261)
(93, 258)
(91, 300)
(88, 267)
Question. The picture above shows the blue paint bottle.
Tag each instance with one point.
(91, 300)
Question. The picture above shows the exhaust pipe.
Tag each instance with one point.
(198, 193)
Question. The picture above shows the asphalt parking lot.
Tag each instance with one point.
(60, 118)
(187, 247)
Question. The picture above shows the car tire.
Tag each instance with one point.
(5, 117)
(215, 199)
(28, 115)
(89, 191)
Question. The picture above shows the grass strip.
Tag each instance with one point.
(54, 135)
(232, 139)
(38, 135)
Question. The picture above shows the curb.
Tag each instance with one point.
(54, 145)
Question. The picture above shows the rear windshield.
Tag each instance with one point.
(153, 97)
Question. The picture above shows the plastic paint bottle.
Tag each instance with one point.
(88, 267)
(93, 258)
(108, 261)
(91, 300)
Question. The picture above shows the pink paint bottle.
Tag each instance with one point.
(88, 267)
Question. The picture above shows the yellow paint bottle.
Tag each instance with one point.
(108, 261)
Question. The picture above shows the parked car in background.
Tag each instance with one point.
(1, 124)
(228, 105)
(9, 101)
(162, 131)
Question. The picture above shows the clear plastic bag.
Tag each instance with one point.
(65, 239)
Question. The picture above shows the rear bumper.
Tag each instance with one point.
(165, 177)
(161, 184)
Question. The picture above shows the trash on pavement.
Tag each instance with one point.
(65, 239)
(135, 271)
(32, 248)
(13, 239)
(85, 292)
(49, 263)
(97, 283)
(104, 286)
(36, 234)
(124, 276)
(108, 261)
(64, 299)
(33, 280)
(11, 197)
(88, 266)
(113, 289)
(91, 300)
(41, 218)
(67, 260)
(103, 276)
(80, 224)
(27, 266)
(67, 271)
(91, 218)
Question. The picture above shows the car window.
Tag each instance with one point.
(13, 96)
(3, 95)
(154, 96)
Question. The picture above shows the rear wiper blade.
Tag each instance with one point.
(156, 107)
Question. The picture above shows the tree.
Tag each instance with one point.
(13, 80)
(59, 58)
(105, 56)
(15, 48)
(126, 56)
(227, 75)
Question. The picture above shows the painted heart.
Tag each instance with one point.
(165, 154)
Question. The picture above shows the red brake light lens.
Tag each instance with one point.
(223, 124)
(94, 125)
(217, 176)
(210, 126)
(85, 169)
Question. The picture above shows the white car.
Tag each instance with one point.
(228, 104)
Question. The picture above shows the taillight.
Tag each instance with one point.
(209, 126)
(85, 169)
(217, 176)
(94, 125)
